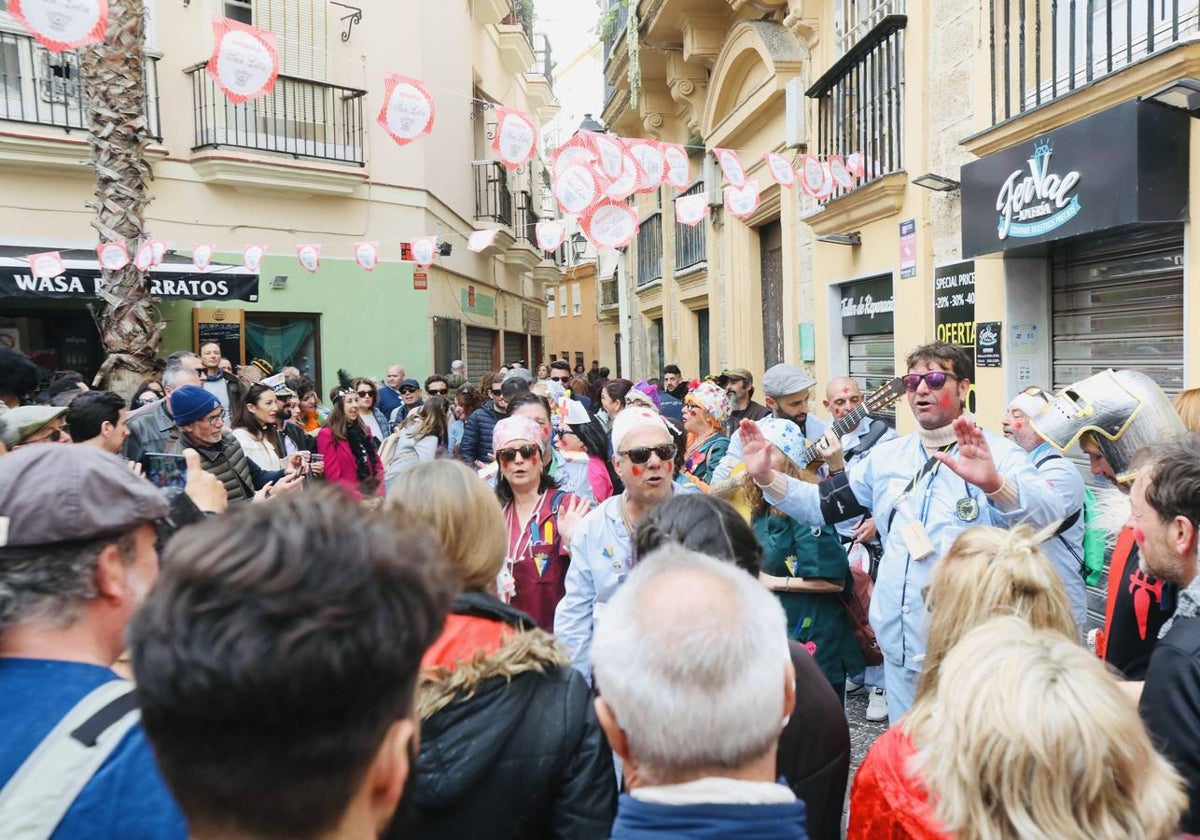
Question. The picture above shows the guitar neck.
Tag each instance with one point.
(847, 423)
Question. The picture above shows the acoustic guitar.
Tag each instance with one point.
(877, 401)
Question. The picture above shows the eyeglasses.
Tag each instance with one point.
(935, 379)
(53, 436)
(641, 454)
(527, 452)
(497, 392)
(365, 393)
(687, 406)
(214, 421)
(438, 392)
(408, 389)
(560, 379)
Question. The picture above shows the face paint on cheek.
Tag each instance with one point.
(636, 470)
(1017, 424)
(1139, 536)
(944, 402)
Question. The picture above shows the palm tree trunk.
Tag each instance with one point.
(115, 85)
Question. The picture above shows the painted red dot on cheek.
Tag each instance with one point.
(944, 402)
(1139, 536)
(636, 470)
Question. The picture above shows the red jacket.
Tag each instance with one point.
(886, 803)
(340, 466)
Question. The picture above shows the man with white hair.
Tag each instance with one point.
(602, 547)
(695, 684)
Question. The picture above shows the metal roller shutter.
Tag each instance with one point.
(1118, 302)
(514, 348)
(480, 352)
(872, 363)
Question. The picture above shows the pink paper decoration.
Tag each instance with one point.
(309, 256)
(159, 249)
(649, 156)
(691, 209)
(811, 174)
(112, 255)
(854, 164)
(145, 256)
(781, 170)
(424, 250)
(624, 185)
(609, 224)
(60, 26)
(827, 185)
(731, 166)
(366, 254)
(516, 137)
(742, 201)
(47, 264)
(550, 234)
(481, 240)
(252, 257)
(202, 257)
(839, 173)
(678, 167)
(244, 63)
(610, 152)
(575, 152)
(408, 108)
(575, 189)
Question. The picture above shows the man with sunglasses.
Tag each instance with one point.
(31, 424)
(436, 386)
(410, 401)
(602, 547)
(924, 489)
(476, 447)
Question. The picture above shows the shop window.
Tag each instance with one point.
(285, 340)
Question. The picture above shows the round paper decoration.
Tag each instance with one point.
(611, 152)
(61, 25)
(731, 165)
(838, 171)
(408, 109)
(781, 170)
(366, 254)
(424, 250)
(46, 264)
(145, 256)
(244, 63)
(309, 256)
(572, 153)
(812, 174)
(202, 257)
(742, 201)
(650, 158)
(854, 164)
(159, 249)
(678, 167)
(609, 224)
(550, 234)
(481, 240)
(691, 209)
(624, 185)
(575, 189)
(252, 257)
(516, 137)
(112, 255)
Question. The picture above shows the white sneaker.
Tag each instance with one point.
(877, 706)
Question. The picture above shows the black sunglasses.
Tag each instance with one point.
(641, 454)
(935, 379)
(560, 379)
(439, 392)
(408, 389)
(496, 392)
(365, 393)
(507, 456)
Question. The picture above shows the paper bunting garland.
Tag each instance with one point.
(650, 158)
(854, 164)
(47, 264)
(481, 240)
(244, 62)
(742, 201)
(202, 257)
(112, 255)
(625, 184)
(424, 250)
(159, 249)
(610, 151)
(516, 137)
(678, 167)
(571, 153)
(839, 173)
(366, 254)
(550, 234)
(59, 25)
(408, 108)
(691, 209)
(145, 256)
(609, 224)
(731, 166)
(811, 174)
(575, 189)
(309, 257)
(781, 170)
(252, 257)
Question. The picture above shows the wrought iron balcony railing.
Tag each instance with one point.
(525, 218)
(650, 249)
(45, 88)
(300, 117)
(543, 64)
(493, 201)
(690, 246)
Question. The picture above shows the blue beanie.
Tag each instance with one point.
(190, 403)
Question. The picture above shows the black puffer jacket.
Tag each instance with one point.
(510, 744)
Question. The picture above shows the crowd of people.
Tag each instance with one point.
(549, 603)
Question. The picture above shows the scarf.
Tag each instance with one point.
(363, 448)
(1187, 605)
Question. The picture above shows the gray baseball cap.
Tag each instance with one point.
(783, 380)
(70, 493)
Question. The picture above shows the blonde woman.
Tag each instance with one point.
(1187, 406)
(988, 571)
(1030, 738)
(510, 745)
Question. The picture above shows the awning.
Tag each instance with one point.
(173, 279)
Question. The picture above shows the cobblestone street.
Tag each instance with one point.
(862, 734)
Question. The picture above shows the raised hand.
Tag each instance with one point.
(756, 452)
(570, 516)
(974, 463)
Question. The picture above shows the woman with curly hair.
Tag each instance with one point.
(705, 413)
(345, 443)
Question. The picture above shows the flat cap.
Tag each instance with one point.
(738, 373)
(783, 380)
(67, 493)
(26, 420)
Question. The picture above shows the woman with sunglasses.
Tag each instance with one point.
(370, 413)
(539, 520)
(705, 413)
(418, 440)
(351, 458)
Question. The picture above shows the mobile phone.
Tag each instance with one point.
(165, 471)
(315, 458)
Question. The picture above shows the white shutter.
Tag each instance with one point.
(301, 29)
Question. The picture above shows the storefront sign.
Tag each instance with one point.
(867, 307)
(954, 304)
(908, 249)
(167, 282)
(987, 344)
(1126, 165)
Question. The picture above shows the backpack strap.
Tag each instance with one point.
(47, 783)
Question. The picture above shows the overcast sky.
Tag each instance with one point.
(571, 24)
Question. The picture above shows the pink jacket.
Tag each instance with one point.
(340, 467)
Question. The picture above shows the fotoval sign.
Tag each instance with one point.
(1123, 166)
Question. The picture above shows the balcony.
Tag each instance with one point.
(493, 201)
(44, 88)
(609, 294)
(650, 249)
(1042, 51)
(525, 219)
(543, 64)
(300, 118)
(690, 246)
(861, 102)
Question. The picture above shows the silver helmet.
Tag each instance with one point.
(1124, 410)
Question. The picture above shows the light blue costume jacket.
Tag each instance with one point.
(849, 441)
(1066, 550)
(897, 605)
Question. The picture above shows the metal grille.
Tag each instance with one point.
(649, 249)
(873, 363)
(1043, 49)
(853, 19)
(526, 218)
(480, 352)
(690, 244)
(861, 101)
(493, 201)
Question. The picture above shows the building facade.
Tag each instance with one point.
(307, 163)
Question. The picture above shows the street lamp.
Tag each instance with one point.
(589, 124)
(578, 247)
(938, 183)
(1183, 94)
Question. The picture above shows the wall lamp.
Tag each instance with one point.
(1183, 94)
(852, 239)
(939, 183)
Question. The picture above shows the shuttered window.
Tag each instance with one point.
(872, 363)
(480, 353)
(301, 32)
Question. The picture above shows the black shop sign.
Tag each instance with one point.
(867, 307)
(1123, 166)
(166, 282)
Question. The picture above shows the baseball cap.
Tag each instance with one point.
(783, 380)
(738, 373)
(409, 383)
(58, 494)
(26, 420)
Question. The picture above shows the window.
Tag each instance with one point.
(301, 32)
(550, 302)
(240, 10)
(852, 19)
(575, 300)
(562, 300)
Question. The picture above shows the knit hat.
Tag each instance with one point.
(635, 417)
(513, 428)
(786, 437)
(713, 400)
(1031, 401)
(783, 380)
(190, 403)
